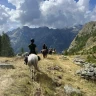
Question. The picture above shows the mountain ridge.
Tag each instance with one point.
(85, 39)
(59, 39)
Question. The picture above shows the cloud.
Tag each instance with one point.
(60, 13)
(6, 21)
(16, 3)
(51, 13)
(3, 14)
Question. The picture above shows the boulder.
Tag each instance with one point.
(6, 66)
(71, 91)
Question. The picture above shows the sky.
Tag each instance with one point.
(50, 13)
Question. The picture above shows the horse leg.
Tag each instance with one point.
(31, 72)
(46, 55)
(36, 67)
(43, 55)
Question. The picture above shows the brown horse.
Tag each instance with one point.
(44, 52)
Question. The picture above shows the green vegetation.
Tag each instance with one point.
(94, 33)
(80, 43)
(91, 58)
(5, 46)
(65, 52)
(0, 45)
(94, 49)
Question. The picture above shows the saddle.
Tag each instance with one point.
(26, 59)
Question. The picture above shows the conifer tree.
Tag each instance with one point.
(22, 50)
(6, 49)
(0, 45)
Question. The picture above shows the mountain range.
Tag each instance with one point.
(59, 39)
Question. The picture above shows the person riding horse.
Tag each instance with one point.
(44, 51)
(33, 50)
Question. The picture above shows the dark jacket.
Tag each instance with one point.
(32, 48)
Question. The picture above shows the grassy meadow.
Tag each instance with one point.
(56, 71)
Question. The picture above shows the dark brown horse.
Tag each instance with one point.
(44, 52)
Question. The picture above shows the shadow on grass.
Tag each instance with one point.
(46, 83)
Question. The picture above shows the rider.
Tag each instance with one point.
(32, 47)
(45, 47)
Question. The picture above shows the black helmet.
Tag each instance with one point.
(32, 40)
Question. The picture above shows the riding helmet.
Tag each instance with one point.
(32, 40)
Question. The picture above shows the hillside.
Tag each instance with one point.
(85, 41)
(59, 39)
(56, 72)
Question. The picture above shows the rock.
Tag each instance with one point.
(94, 71)
(55, 68)
(60, 77)
(79, 61)
(91, 69)
(58, 83)
(88, 72)
(6, 66)
(38, 92)
(78, 72)
(71, 91)
(83, 73)
(93, 65)
(25, 54)
(18, 54)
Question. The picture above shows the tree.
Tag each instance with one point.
(0, 45)
(6, 49)
(22, 50)
(65, 52)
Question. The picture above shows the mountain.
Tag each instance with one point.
(85, 41)
(59, 39)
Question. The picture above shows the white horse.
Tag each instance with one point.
(32, 61)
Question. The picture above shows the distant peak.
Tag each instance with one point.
(23, 27)
(44, 27)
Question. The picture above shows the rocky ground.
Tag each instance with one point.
(57, 78)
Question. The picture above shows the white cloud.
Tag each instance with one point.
(60, 13)
(51, 13)
(93, 14)
(6, 21)
(16, 3)
(3, 14)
